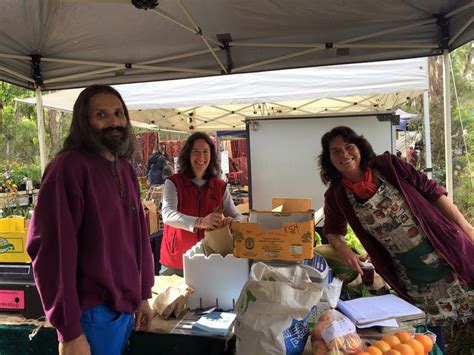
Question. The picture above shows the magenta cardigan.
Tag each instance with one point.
(420, 193)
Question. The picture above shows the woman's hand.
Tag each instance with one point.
(143, 316)
(211, 221)
(78, 346)
(347, 256)
(226, 221)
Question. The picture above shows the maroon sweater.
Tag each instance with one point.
(420, 193)
(89, 244)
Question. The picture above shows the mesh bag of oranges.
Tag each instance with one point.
(401, 343)
(334, 334)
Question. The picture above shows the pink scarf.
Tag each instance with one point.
(364, 189)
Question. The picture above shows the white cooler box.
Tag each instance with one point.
(216, 280)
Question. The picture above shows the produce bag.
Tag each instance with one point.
(172, 300)
(335, 334)
(219, 241)
(273, 307)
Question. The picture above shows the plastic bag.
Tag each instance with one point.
(337, 332)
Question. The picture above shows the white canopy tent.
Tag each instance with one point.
(58, 44)
(222, 103)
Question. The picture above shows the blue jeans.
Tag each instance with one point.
(106, 331)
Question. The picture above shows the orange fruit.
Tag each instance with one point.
(392, 352)
(382, 345)
(391, 339)
(362, 353)
(417, 346)
(403, 336)
(372, 350)
(404, 349)
(426, 341)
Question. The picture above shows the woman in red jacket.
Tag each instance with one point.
(417, 239)
(194, 199)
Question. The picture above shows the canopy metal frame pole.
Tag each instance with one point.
(427, 136)
(40, 122)
(447, 125)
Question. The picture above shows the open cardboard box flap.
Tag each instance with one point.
(287, 205)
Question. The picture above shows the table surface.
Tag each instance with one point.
(16, 331)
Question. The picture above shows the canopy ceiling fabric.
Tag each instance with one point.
(60, 44)
(222, 103)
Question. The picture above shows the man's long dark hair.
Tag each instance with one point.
(82, 135)
(184, 159)
(328, 172)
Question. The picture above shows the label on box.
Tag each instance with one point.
(12, 299)
(275, 237)
(12, 247)
(296, 249)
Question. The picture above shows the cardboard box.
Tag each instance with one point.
(13, 240)
(269, 235)
(216, 280)
(152, 216)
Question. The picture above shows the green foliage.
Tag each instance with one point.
(462, 128)
(14, 173)
(18, 138)
(354, 243)
(12, 180)
(9, 92)
(317, 239)
(143, 188)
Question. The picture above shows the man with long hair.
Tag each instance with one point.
(88, 240)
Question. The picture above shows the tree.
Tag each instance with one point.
(17, 125)
(462, 127)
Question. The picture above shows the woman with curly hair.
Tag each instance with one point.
(416, 237)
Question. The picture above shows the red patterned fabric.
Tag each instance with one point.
(173, 148)
(239, 147)
(150, 143)
(138, 161)
(145, 144)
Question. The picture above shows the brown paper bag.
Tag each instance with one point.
(172, 301)
(151, 216)
(219, 241)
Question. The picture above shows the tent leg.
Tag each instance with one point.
(41, 134)
(427, 135)
(447, 125)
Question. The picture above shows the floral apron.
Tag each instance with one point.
(429, 280)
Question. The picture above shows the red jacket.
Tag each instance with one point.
(192, 201)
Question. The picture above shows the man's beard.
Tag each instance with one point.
(115, 144)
